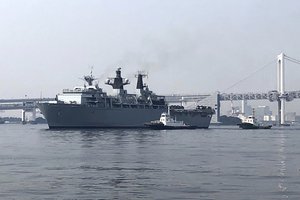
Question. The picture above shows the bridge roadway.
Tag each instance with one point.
(26, 100)
(271, 96)
(30, 103)
(21, 104)
(175, 98)
(17, 107)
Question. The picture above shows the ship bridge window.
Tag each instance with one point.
(91, 88)
(117, 105)
(162, 107)
(134, 106)
(77, 89)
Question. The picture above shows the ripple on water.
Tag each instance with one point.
(219, 163)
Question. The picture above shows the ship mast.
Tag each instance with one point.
(118, 82)
(89, 78)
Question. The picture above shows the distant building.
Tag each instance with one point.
(246, 109)
(262, 111)
(269, 118)
(235, 110)
(297, 118)
(290, 116)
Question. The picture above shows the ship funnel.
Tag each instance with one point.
(118, 73)
(140, 83)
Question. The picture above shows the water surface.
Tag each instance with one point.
(217, 163)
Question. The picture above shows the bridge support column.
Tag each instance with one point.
(282, 111)
(280, 88)
(183, 102)
(33, 114)
(244, 104)
(218, 107)
(279, 112)
(23, 116)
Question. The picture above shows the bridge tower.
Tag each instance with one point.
(33, 115)
(281, 88)
(23, 116)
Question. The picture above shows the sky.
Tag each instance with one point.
(185, 46)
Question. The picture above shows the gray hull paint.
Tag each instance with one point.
(198, 119)
(82, 116)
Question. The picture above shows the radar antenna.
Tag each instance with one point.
(90, 78)
(117, 82)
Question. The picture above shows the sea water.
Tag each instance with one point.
(216, 163)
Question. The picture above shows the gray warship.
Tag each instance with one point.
(89, 106)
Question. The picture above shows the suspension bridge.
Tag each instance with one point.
(279, 95)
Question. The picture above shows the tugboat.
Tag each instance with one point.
(252, 123)
(166, 122)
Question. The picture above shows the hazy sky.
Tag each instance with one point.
(186, 46)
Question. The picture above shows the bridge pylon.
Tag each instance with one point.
(281, 88)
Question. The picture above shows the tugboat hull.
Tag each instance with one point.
(161, 126)
(252, 126)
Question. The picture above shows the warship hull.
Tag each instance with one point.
(90, 107)
(83, 116)
(195, 118)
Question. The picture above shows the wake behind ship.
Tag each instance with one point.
(90, 107)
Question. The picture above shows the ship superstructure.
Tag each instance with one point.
(200, 116)
(90, 106)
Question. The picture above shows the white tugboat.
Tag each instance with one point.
(252, 123)
(167, 122)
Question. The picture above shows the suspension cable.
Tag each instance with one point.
(260, 69)
(292, 59)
